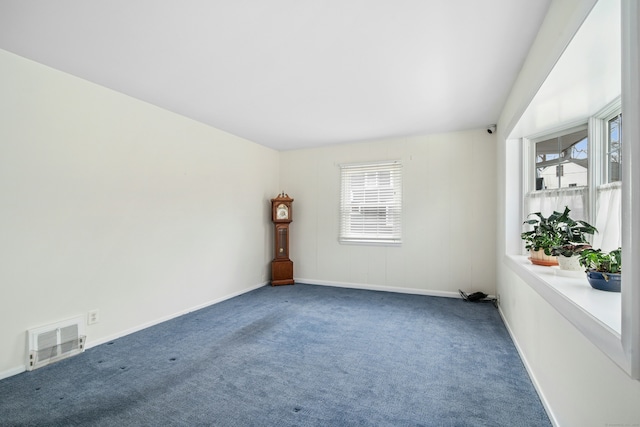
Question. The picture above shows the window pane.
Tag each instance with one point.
(562, 162)
(614, 149)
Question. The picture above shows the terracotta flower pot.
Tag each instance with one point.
(540, 258)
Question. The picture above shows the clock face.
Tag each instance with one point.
(282, 211)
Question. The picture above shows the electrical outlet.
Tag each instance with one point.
(93, 317)
(498, 300)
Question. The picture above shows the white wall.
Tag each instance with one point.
(449, 214)
(109, 203)
(579, 385)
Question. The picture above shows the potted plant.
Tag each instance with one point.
(573, 240)
(554, 236)
(546, 234)
(568, 256)
(604, 269)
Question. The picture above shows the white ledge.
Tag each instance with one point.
(597, 314)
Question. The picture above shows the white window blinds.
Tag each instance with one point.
(371, 202)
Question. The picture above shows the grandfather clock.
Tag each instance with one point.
(281, 266)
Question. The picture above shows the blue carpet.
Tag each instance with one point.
(293, 356)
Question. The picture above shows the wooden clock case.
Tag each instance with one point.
(281, 266)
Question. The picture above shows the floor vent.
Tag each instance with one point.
(54, 342)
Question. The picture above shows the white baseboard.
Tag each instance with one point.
(13, 371)
(379, 288)
(534, 380)
(89, 344)
(138, 328)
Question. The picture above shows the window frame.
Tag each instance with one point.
(604, 323)
(607, 120)
(371, 232)
(598, 143)
(571, 128)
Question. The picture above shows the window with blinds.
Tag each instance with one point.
(371, 202)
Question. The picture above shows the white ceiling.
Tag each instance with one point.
(289, 73)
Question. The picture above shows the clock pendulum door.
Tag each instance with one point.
(282, 266)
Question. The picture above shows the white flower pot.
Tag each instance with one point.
(571, 263)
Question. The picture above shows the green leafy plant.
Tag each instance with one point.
(573, 236)
(569, 250)
(603, 262)
(557, 234)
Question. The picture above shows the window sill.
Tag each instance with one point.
(597, 314)
(370, 242)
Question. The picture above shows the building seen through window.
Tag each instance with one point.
(562, 161)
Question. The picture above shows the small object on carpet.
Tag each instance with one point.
(476, 296)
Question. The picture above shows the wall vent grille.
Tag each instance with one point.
(50, 343)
